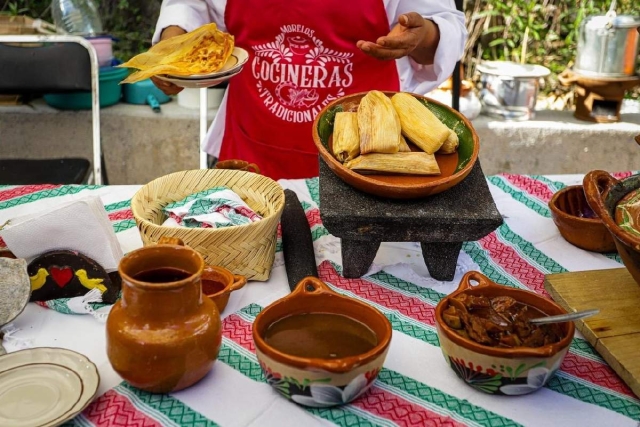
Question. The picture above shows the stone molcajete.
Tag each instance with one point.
(163, 335)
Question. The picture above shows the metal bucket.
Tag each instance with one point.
(509, 90)
(608, 46)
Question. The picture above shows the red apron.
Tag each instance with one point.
(302, 55)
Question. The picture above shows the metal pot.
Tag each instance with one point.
(509, 90)
(608, 46)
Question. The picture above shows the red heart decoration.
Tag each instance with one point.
(61, 276)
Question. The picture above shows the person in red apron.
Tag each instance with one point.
(302, 56)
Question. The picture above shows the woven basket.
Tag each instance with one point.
(248, 249)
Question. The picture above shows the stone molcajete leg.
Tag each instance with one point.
(441, 259)
(357, 256)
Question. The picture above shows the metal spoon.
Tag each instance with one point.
(565, 317)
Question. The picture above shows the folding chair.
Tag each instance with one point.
(51, 64)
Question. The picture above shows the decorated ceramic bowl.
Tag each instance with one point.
(577, 222)
(454, 167)
(313, 381)
(501, 371)
(604, 192)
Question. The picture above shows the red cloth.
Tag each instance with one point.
(303, 55)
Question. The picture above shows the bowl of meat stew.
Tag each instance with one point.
(487, 339)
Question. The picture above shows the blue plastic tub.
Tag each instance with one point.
(110, 92)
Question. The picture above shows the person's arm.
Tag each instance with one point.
(418, 27)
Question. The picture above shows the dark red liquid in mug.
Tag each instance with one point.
(162, 275)
(210, 287)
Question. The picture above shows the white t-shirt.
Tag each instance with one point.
(414, 77)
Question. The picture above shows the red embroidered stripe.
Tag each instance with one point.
(533, 187)
(121, 215)
(23, 190)
(113, 409)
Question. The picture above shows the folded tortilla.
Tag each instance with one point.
(202, 51)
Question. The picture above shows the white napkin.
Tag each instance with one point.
(82, 225)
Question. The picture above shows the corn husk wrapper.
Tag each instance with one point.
(378, 124)
(202, 51)
(415, 163)
(346, 140)
(404, 146)
(450, 145)
(419, 124)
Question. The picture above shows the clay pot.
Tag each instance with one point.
(508, 371)
(342, 379)
(603, 193)
(577, 223)
(163, 337)
(238, 165)
(218, 283)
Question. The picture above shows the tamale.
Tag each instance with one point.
(378, 124)
(419, 124)
(450, 145)
(404, 147)
(416, 163)
(346, 141)
(201, 51)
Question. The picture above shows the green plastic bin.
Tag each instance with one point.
(110, 92)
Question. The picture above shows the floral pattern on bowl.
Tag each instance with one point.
(507, 380)
(319, 393)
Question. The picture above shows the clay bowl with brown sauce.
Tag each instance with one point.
(218, 283)
(318, 348)
(577, 222)
(497, 370)
(604, 193)
(454, 167)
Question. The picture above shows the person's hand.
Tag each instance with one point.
(167, 87)
(413, 36)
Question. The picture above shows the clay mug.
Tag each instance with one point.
(238, 165)
(162, 335)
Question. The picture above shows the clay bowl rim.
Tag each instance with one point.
(333, 163)
(337, 366)
(507, 353)
(619, 234)
(553, 205)
(160, 286)
(231, 280)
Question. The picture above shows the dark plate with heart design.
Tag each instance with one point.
(69, 274)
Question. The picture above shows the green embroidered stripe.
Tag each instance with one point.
(169, 407)
(247, 364)
(318, 232)
(124, 225)
(45, 194)
(194, 196)
(520, 196)
(423, 395)
(313, 185)
(118, 205)
(595, 396)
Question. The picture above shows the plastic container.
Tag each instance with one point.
(110, 92)
(104, 49)
(79, 17)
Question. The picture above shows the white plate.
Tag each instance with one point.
(234, 64)
(45, 387)
(198, 83)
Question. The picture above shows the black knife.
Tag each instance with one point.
(297, 242)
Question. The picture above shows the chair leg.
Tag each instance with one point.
(105, 178)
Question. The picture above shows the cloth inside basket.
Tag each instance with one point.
(217, 207)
